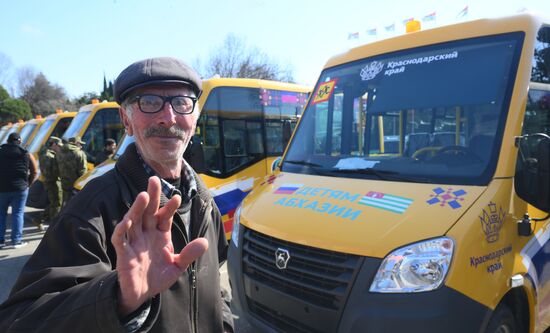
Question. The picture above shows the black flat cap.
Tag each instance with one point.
(155, 71)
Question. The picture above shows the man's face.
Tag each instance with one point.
(111, 148)
(163, 136)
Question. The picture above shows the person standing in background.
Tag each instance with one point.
(107, 152)
(18, 170)
(72, 164)
(50, 171)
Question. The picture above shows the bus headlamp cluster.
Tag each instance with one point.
(236, 226)
(417, 267)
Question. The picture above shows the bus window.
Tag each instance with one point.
(281, 112)
(61, 127)
(106, 124)
(240, 126)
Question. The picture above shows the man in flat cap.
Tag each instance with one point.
(51, 181)
(18, 172)
(139, 248)
(72, 164)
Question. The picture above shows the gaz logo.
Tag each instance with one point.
(324, 91)
(282, 256)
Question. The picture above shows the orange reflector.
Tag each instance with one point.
(412, 26)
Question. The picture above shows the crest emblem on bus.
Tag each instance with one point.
(282, 256)
(370, 71)
(491, 222)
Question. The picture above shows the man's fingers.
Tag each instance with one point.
(119, 234)
(135, 213)
(153, 189)
(166, 213)
(191, 252)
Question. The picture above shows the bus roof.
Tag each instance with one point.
(96, 106)
(253, 83)
(527, 22)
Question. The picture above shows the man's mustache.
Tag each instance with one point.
(171, 132)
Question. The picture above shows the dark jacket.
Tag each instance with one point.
(17, 168)
(70, 285)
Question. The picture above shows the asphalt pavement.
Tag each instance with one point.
(12, 261)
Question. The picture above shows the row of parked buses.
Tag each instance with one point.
(244, 127)
(414, 193)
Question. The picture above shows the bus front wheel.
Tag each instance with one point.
(502, 321)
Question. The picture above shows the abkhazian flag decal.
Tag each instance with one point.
(392, 203)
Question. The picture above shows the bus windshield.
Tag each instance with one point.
(26, 132)
(433, 114)
(121, 148)
(34, 146)
(76, 124)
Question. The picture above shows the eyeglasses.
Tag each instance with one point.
(155, 103)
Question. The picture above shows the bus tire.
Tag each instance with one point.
(502, 321)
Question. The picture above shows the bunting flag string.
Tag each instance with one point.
(353, 35)
(429, 17)
(371, 32)
(463, 12)
(390, 28)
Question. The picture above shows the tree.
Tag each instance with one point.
(11, 110)
(25, 79)
(108, 92)
(84, 99)
(44, 97)
(3, 94)
(235, 59)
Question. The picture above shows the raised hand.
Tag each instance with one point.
(146, 263)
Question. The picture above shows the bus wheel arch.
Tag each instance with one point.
(513, 311)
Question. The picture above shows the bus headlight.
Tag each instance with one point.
(417, 267)
(236, 226)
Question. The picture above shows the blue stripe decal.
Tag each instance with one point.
(541, 261)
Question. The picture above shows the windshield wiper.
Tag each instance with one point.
(303, 162)
(381, 174)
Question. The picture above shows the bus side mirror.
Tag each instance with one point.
(194, 155)
(532, 179)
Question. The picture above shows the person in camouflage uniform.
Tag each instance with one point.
(72, 164)
(50, 173)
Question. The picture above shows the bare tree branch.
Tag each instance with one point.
(235, 59)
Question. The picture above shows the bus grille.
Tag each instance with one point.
(315, 276)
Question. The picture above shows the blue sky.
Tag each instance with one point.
(74, 42)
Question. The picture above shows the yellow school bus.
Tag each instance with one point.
(243, 128)
(53, 125)
(95, 123)
(30, 129)
(414, 193)
(15, 128)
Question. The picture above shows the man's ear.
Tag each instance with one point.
(125, 120)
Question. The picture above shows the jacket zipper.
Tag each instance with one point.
(193, 277)
(192, 269)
